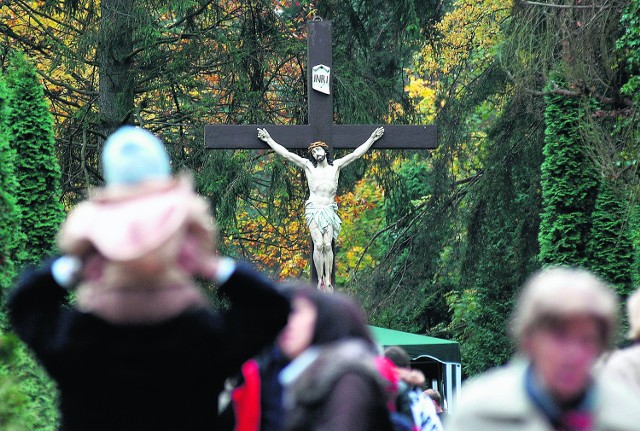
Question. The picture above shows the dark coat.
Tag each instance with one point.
(341, 390)
(161, 376)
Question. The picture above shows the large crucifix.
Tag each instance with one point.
(320, 135)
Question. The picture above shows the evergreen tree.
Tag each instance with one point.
(501, 245)
(26, 391)
(634, 234)
(373, 44)
(13, 402)
(568, 182)
(30, 129)
(610, 248)
(11, 236)
(27, 395)
(629, 45)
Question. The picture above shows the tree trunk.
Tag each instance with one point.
(117, 84)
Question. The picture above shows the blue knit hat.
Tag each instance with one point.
(132, 155)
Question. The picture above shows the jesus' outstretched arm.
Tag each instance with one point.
(359, 152)
(279, 149)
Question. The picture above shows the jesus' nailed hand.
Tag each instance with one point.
(321, 210)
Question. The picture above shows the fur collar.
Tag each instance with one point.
(333, 361)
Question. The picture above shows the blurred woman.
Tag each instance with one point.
(624, 364)
(333, 382)
(564, 319)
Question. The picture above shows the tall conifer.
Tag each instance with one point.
(27, 395)
(501, 247)
(30, 130)
(610, 248)
(10, 234)
(568, 182)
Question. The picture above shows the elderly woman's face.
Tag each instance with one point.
(298, 334)
(563, 354)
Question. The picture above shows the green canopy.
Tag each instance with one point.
(418, 345)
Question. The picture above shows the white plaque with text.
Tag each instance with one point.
(321, 79)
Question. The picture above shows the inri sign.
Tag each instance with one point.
(321, 79)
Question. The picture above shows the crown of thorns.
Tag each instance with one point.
(317, 144)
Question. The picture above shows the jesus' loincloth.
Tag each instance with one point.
(323, 216)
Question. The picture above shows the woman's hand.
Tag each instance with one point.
(193, 259)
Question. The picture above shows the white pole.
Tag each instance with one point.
(448, 383)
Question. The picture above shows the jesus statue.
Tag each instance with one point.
(321, 209)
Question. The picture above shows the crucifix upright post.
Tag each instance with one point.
(320, 103)
(320, 125)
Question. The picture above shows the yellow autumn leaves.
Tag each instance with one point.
(465, 42)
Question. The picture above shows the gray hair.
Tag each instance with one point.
(560, 292)
(633, 312)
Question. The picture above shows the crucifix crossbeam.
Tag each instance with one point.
(320, 127)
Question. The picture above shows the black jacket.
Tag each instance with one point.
(161, 376)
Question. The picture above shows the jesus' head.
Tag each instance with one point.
(318, 152)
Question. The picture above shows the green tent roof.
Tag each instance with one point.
(418, 345)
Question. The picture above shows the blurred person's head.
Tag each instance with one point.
(633, 312)
(142, 237)
(564, 319)
(401, 360)
(435, 396)
(318, 318)
(398, 356)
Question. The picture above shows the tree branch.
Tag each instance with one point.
(564, 6)
(65, 85)
(196, 12)
(582, 93)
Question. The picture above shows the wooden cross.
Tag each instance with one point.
(320, 127)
